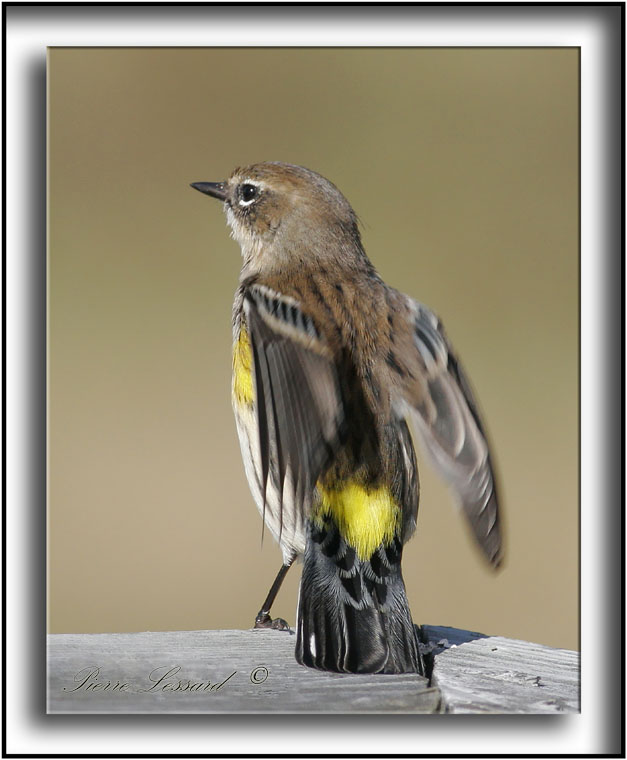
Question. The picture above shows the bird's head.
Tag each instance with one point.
(284, 215)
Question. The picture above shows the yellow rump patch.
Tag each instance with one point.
(365, 517)
(243, 389)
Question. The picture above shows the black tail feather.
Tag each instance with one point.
(355, 621)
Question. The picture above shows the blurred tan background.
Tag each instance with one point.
(463, 166)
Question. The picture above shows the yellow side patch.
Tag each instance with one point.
(365, 517)
(243, 389)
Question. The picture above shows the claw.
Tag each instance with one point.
(263, 620)
(280, 625)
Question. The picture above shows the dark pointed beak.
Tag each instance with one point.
(214, 189)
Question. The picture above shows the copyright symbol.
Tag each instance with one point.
(259, 674)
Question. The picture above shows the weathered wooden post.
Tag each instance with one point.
(255, 671)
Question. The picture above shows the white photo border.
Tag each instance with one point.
(598, 30)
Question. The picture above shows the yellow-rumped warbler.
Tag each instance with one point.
(328, 364)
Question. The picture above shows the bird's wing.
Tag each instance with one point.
(300, 415)
(449, 424)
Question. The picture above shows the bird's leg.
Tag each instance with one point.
(263, 619)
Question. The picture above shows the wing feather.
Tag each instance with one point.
(300, 413)
(450, 425)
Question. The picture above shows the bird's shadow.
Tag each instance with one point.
(435, 639)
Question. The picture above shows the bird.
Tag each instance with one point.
(335, 374)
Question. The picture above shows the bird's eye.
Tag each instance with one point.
(248, 193)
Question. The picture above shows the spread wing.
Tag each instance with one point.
(299, 410)
(451, 428)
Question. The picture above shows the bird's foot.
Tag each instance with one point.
(263, 620)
